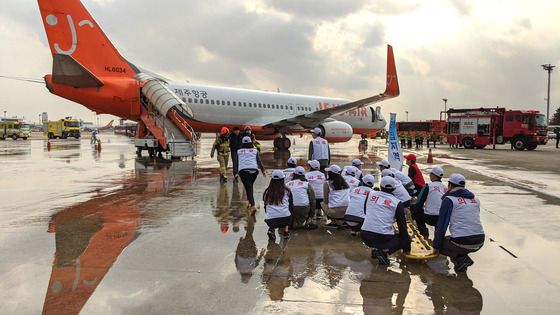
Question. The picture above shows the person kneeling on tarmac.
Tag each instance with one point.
(430, 196)
(382, 209)
(278, 205)
(355, 212)
(460, 211)
(304, 200)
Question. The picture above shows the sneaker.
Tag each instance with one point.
(236, 178)
(286, 234)
(310, 226)
(271, 235)
(380, 255)
(462, 263)
(354, 233)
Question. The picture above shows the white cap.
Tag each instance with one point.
(369, 180)
(292, 161)
(299, 170)
(277, 174)
(457, 179)
(388, 182)
(314, 164)
(436, 170)
(246, 140)
(387, 172)
(357, 162)
(384, 163)
(334, 168)
(351, 170)
(316, 131)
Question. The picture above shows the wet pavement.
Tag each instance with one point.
(91, 232)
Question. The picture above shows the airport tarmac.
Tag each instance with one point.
(91, 232)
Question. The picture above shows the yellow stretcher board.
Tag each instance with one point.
(420, 249)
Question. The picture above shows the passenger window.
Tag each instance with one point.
(250, 105)
(196, 100)
(228, 103)
(190, 100)
(212, 102)
(244, 104)
(207, 102)
(234, 103)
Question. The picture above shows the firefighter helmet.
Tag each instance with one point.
(224, 130)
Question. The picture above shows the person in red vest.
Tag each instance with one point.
(414, 173)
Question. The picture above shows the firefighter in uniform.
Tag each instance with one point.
(409, 139)
(319, 149)
(430, 196)
(248, 133)
(428, 138)
(460, 211)
(222, 146)
(402, 136)
(382, 209)
(435, 138)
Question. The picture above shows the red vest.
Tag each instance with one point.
(418, 178)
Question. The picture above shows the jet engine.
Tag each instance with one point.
(336, 131)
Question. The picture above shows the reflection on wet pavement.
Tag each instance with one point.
(105, 232)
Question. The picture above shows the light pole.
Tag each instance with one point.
(548, 68)
(406, 115)
(5, 116)
(445, 106)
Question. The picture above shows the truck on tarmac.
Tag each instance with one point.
(479, 127)
(62, 128)
(14, 130)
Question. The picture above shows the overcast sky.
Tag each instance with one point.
(474, 53)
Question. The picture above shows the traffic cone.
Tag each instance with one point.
(49, 145)
(430, 158)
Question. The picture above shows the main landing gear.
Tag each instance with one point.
(282, 143)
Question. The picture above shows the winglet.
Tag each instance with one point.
(392, 89)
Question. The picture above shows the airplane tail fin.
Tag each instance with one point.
(392, 89)
(82, 53)
(108, 125)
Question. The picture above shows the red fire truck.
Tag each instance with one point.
(479, 127)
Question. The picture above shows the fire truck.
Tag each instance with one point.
(479, 127)
(62, 128)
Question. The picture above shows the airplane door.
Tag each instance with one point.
(291, 108)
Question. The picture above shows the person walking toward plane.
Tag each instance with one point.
(460, 211)
(304, 200)
(222, 146)
(278, 206)
(249, 163)
(319, 149)
(316, 180)
(382, 209)
(355, 214)
(235, 138)
(430, 196)
(335, 195)
(414, 173)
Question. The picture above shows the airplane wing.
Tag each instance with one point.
(312, 119)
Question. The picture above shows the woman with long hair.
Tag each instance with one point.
(278, 205)
(249, 163)
(335, 196)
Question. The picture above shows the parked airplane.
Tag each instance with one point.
(89, 70)
(91, 127)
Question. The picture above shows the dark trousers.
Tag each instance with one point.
(422, 219)
(234, 161)
(381, 241)
(248, 177)
(452, 249)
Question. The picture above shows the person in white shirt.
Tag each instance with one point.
(355, 214)
(426, 209)
(316, 179)
(249, 163)
(278, 206)
(405, 180)
(350, 177)
(382, 210)
(319, 149)
(289, 171)
(335, 196)
(399, 192)
(304, 200)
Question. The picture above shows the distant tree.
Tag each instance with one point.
(555, 120)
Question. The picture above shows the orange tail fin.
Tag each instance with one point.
(392, 88)
(72, 31)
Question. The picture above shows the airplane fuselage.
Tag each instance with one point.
(214, 107)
